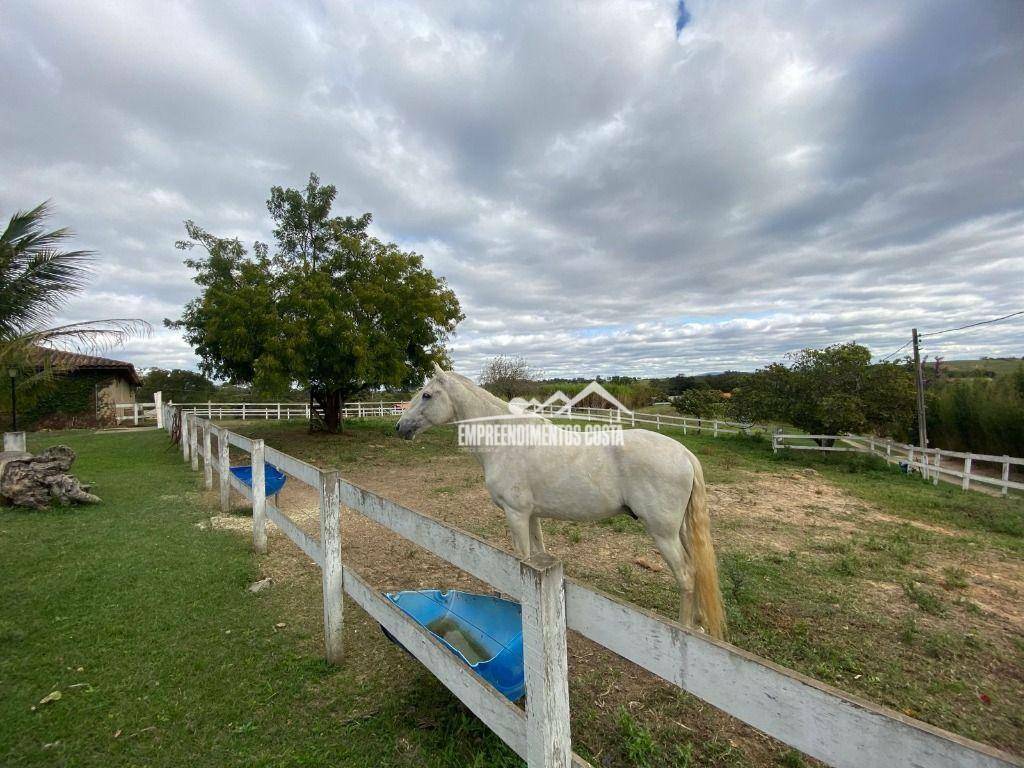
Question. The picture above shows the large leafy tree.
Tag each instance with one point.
(38, 274)
(834, 390)
(332, 308)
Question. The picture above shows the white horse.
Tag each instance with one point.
(649, 476)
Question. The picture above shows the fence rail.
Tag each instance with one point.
(825, 723)
(931, 463)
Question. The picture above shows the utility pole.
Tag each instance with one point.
(922, 426)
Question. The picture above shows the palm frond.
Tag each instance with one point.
(36, 276)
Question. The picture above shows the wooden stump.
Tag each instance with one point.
(36, 481)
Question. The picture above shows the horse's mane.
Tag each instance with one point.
(478, 393)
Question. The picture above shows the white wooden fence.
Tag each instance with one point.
(821, 721)
(137, 413)
(932, 463)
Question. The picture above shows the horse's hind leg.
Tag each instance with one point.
(519, 527)
(671, 549)
(536, 537)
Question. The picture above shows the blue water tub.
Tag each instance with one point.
(485, 632)
(273, 478)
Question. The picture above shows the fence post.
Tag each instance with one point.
(135, 414)
(243, 411)
(278, 411)
(224, 461)
(207, 456)
(1006, 475)
(545, 664)
(259, 498)
(938, 467)
(193, 442)
(967, 473)
(184, 434)
(658, 420)
(330, 541)
(716, 428)
(158, 401)
(14, 441)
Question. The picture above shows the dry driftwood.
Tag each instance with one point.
(36, 481)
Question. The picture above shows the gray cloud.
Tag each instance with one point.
(604, 194)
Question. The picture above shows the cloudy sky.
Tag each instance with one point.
(610, 187)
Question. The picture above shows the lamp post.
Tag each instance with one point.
(13, 373)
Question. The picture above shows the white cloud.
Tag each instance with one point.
(604, 195)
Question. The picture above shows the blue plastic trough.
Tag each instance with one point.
(485, 632)
(273, 478)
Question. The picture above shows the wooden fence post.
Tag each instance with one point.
(224, 461)
(243, 411)
(716, 428)
(193, 442)
(545, 663)
(330, 540)
(938, 467)
(259, 498)
(207, 456)
(184, 434)
(1006, 475)
(967, 473)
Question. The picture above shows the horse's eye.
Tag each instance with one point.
(426, 395)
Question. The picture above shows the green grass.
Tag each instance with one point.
(143, 623)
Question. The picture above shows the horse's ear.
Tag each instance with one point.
(438, 370)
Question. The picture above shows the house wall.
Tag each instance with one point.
(74, 400)
(118, 390)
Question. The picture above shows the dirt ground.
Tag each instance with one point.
(758, 514)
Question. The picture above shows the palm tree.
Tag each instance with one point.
(36, 278)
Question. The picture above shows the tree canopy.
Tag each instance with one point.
(332, 308)
(178, 385)
(508, 377)
(831, 391)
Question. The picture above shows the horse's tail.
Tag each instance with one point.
(696, 532)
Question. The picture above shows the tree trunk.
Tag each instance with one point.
(36, 481)
(331, 402)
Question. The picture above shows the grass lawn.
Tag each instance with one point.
(142, 622)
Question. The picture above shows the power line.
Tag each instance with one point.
(973, 325)
(950, 330)
(893, 354)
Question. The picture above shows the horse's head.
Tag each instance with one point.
(430, 407)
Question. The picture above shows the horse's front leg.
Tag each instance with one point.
(519, 527)
(536, 537)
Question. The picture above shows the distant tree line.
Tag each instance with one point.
(982, 415)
